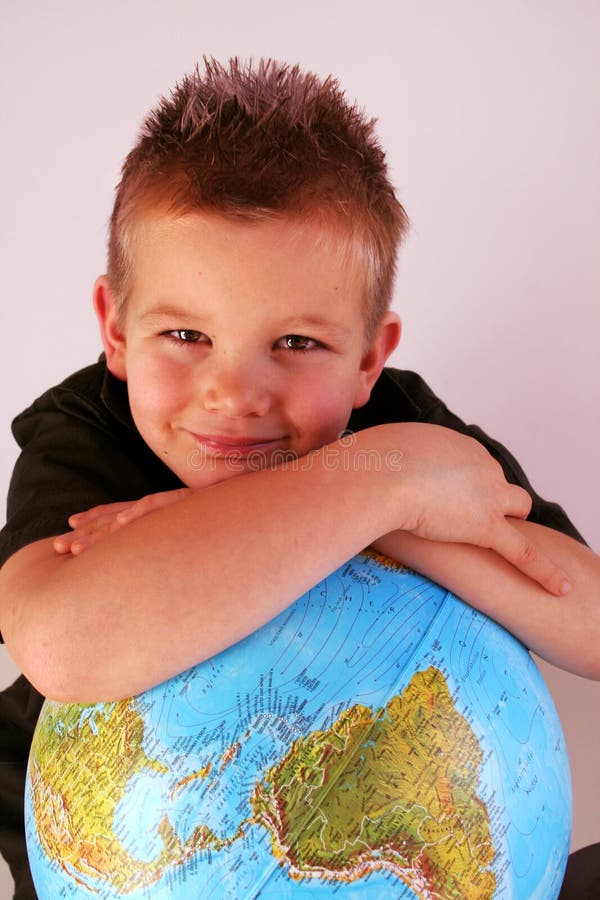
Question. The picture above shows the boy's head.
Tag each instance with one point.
(251, 264)
(260, 143)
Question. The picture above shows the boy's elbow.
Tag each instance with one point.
(578, 626)
(32, 628)
(586, 579)
(38, 657)
(56, 670)
(59, 667)
(589, 665)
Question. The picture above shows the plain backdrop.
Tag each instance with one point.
(490, 114)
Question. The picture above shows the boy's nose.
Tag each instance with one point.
(234, 391)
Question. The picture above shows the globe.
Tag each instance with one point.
(378, 739)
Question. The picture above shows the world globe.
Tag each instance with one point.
(378, 739)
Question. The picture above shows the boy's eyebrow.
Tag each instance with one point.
(309, 322)
(166, 311)
(290, 326)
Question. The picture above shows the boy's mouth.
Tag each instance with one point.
(239, 447)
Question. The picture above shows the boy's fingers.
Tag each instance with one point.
(82, 540)
(94, 526)
(95, 512)
(81, 544)
(149, 503)
(125, 510)
(140, 508)
(518, 502)
(525, 556)
(100, 520)
(62, 542)
(85, 534)
(73, 542)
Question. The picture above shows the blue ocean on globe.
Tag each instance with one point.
(379, 738)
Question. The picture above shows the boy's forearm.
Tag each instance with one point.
(563, 630)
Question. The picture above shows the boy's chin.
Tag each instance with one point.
(196, 481)
(198, 475)
(201, 471)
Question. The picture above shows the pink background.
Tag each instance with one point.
(490, 114)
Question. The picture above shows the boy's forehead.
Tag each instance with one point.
(322, 230)
(307, 255)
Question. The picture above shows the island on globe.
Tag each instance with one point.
(378, 739)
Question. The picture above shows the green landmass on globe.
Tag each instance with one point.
(332, 803)
(80, 768)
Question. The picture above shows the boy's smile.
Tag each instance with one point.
(243, 342)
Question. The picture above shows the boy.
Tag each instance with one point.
(245, 326)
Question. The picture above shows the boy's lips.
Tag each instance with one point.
(238, 446)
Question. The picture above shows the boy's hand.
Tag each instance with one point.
(95, 523)
(459, 494)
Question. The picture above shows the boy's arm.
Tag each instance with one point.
(184, 582)
(563, 630)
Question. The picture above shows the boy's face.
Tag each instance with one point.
(243, 343)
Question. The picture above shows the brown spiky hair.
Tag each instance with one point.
(261, 141)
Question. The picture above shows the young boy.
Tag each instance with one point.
(245, 325)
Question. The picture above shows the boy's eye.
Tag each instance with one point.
(298, 342)
(186, 335)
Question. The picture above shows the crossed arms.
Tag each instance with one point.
(137, 593)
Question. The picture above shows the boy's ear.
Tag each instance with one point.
(113, 339)
(375, 356)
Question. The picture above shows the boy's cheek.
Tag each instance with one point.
(156, 390)
(331, 410)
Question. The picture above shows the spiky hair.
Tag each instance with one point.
(258, 141)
